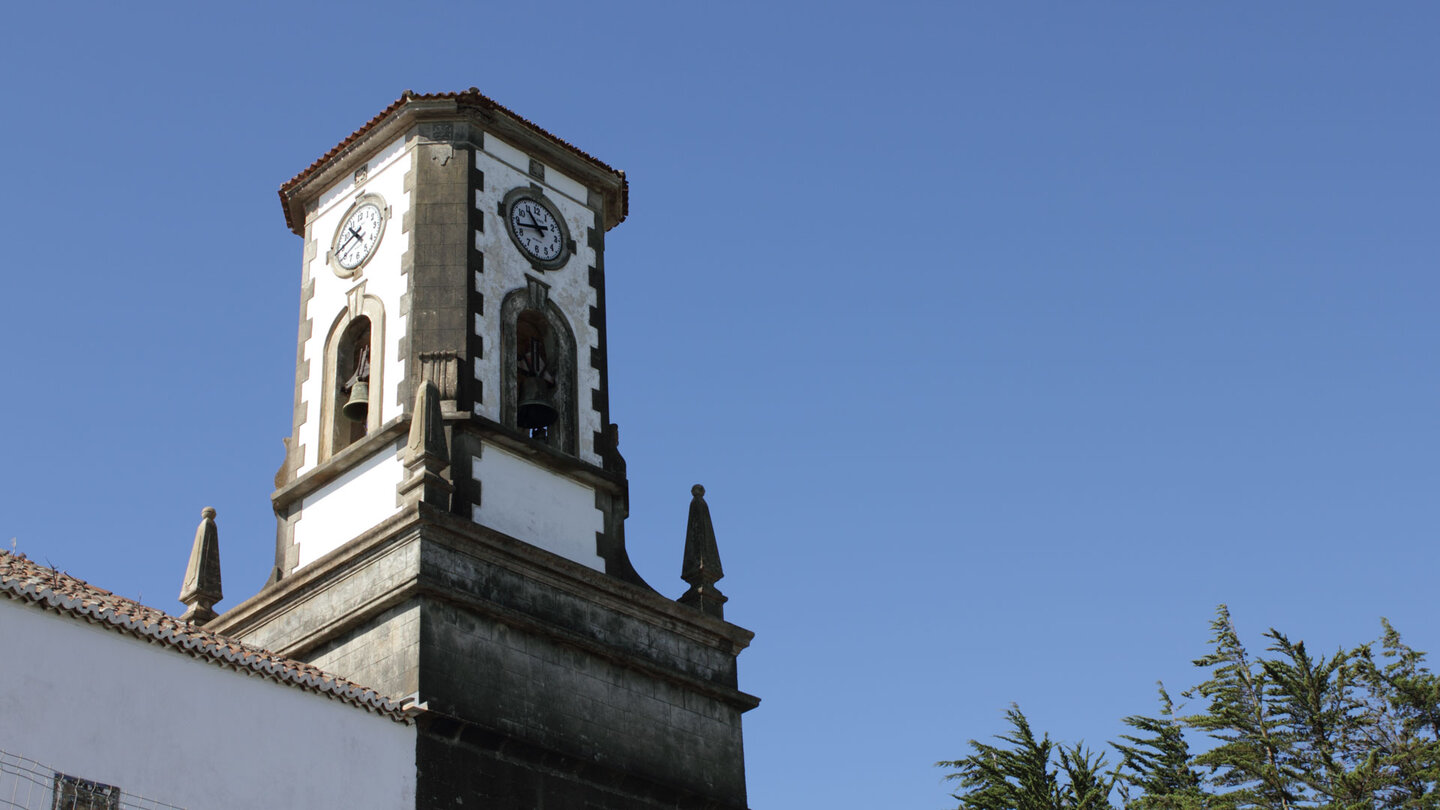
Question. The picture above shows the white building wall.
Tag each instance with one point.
(380, 276)
(530, 503)
(354, 502)
(152, 721)
(505, 168)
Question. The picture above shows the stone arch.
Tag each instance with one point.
(529, 309)
(366, 311)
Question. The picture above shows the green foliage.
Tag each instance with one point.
(1247, 763)
(1288, 730)
(1030, 774)
(1402, 732)
(1158, 765)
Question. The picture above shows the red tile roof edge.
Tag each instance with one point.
(471, 96)
(24, 580)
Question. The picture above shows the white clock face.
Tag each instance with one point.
(358, 236)
(536, 230)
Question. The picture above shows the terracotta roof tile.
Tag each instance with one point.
(26, 581)
(472, 97)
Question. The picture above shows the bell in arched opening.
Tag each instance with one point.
(537, 394)
(535, 402)
(357, 405)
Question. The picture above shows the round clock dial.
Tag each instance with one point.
(358, 236)
(536, 229)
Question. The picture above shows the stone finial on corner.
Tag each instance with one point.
(202, 576)
(701, 568)
(426, 453)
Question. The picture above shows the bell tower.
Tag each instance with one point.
(451, 506)
(453, 242)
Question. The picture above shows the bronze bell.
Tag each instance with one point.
(357, 407)
(537, 407)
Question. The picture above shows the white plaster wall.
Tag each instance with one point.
(381, 277)
(506, 167)
(98, 705)
(339, 511)
(531, 503)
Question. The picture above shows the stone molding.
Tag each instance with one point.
(424, 525)
(443, 369)
(541, 454)
(340, 463)
(420, 115)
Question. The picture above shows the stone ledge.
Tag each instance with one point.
(340, 463)
(423, 525)
(544, 455)
(307, 582)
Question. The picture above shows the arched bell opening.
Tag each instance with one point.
(352, 364)
(539, 372)
(351, 404)
(535, 409)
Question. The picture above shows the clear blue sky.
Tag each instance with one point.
(1008, 339)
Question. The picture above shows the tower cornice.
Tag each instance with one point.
(417, 553)
(412, 108)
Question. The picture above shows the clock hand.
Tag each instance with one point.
(346, 242)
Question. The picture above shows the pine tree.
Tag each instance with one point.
(1087, 785)
(1402, 724)
(1250, 764)
(1159, 764)
(1358, 730)
(1316, 707)
(1023, 775)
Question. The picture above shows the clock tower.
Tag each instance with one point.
(452, 501)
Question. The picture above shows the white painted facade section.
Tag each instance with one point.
(380, 276)
(348, 506)
(506, 168)
(530, 503)
(154, 722)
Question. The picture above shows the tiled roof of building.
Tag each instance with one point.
(24, 580)
(471, 97)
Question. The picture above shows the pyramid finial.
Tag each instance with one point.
(202, 576)
(426, 453)
(701, 568)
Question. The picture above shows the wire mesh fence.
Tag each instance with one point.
(29, 785)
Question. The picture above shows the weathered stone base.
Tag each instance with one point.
(460, 763)
(545, 683)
